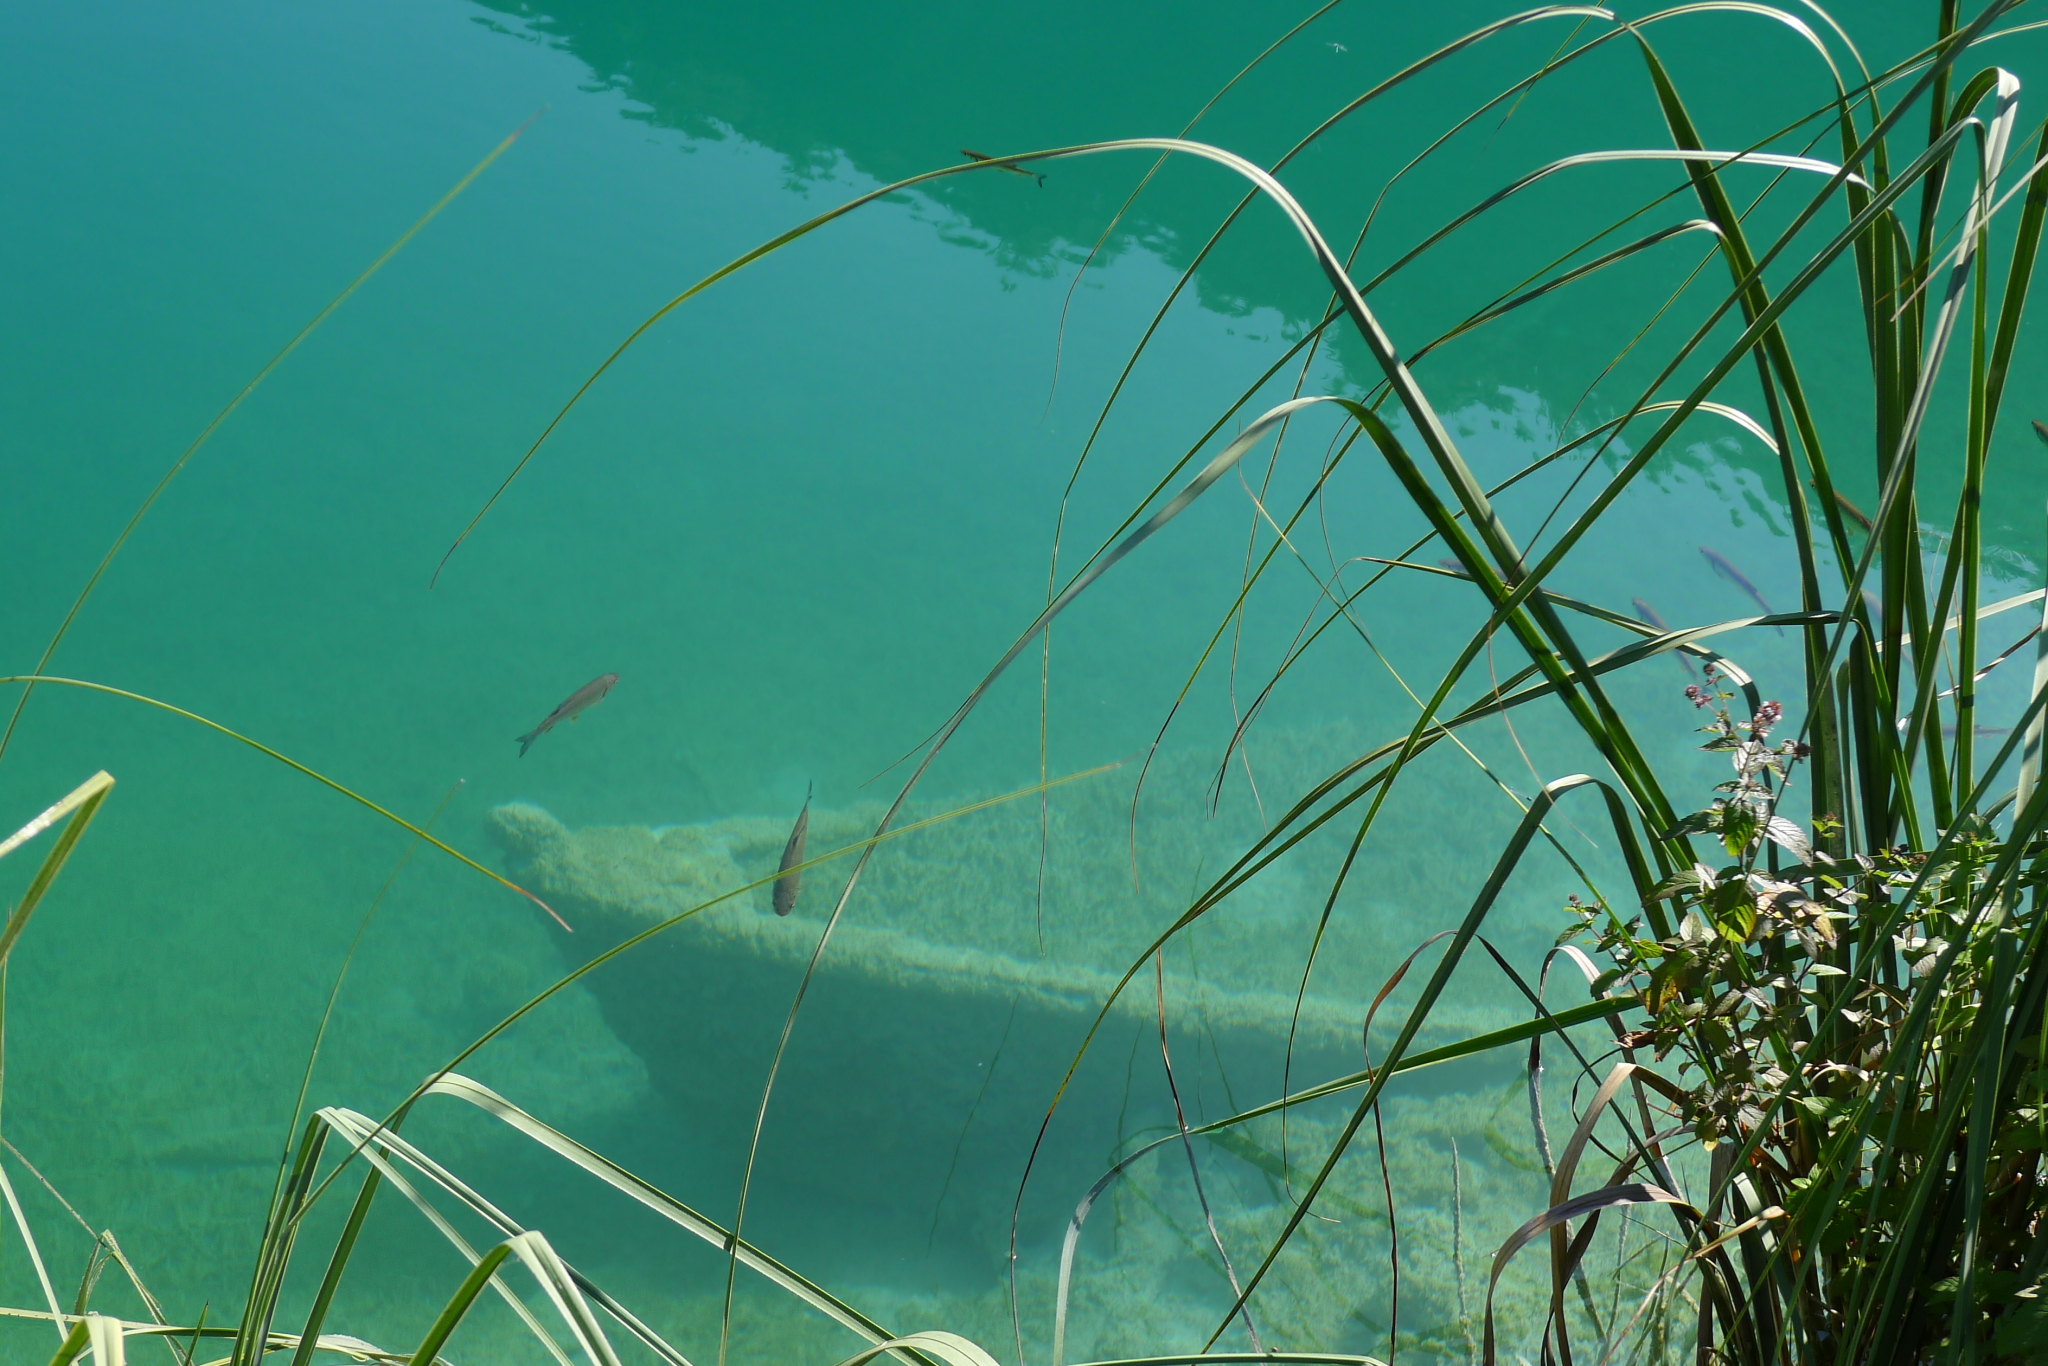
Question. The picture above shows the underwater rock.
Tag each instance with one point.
(950, 1002)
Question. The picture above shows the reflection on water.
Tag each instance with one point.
(798, 522)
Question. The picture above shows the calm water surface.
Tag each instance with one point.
(800, 519)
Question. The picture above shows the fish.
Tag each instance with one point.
(2041, 429)
(1012, 167)
(1735, 576)
(578, 702)
(1448, 563)
(1856, 514)
(1649, 617)
(788, 884)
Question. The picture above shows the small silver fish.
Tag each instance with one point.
(578, 702)
(789, 884)
(2041, 429)
(1012, 167)
(1649, 617)
(1735, 576)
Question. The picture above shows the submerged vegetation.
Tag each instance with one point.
(1820, 1110)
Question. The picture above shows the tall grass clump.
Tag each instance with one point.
(1826, 1085)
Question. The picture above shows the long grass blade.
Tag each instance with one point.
(28, 1242)
(82, 804)
(296, 766)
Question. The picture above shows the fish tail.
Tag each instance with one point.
(526, 740)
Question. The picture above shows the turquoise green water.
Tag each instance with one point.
(799, 520)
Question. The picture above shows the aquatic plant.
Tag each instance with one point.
(1841, 1110)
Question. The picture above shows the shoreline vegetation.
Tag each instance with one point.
(1800, 1022)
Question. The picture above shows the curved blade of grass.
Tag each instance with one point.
(90, 789)
(355, 1348)
(1562, 1258)
(83, 803)
(294, 764)
(562, 1288)
(948, 1349)
(35, 1256)
(1577, 1208)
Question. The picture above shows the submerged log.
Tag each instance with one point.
(948, 1005)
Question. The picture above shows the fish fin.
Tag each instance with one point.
(526, 741)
